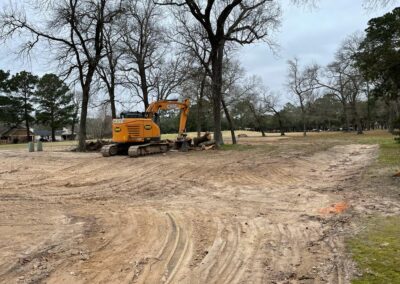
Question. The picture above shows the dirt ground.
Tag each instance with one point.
(254, 216)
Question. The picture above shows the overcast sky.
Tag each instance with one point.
(312, 35)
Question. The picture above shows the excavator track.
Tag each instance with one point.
(109, 150)
(147, 149)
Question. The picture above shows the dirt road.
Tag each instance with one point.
(200, 217)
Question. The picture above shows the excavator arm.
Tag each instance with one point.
(154, 107)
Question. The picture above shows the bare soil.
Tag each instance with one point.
(253, 216)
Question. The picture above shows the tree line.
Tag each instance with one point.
(151, 50)
(30, 99)
(132, 44)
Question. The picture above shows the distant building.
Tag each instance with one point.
(45, 135)
(15, 134)
(67, 134)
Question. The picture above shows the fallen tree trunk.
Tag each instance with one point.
(207, 143)
(198, 140)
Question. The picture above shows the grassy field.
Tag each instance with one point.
(377, 250)
(46, 145)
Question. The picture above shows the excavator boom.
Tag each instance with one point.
(172, 104)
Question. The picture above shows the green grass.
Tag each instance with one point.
(389, 149)
(13, 146)
(46, 145)
(389, 154)
(238, 147)
(377, 251)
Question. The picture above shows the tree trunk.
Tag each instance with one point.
(357, 118)
(74, 120)
(390, 116)
(28, 134)
(280, 123)
(200, 105)
(346, 116)
(303, 118)
(198, 118)
(216, 64)
(82, 123)
(143, 84)
(73, 128)
(230, 122)
(201, 139)
(111, 92)
(53, 134)
(368, 108)
(52, 125)
(257, 118)
(26, 116)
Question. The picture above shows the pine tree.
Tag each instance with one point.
(22, 87)
(55, 103)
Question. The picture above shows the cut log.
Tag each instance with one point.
(211, 147)
(198, 140)
(207, 143)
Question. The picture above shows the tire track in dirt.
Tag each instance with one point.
(220, 218)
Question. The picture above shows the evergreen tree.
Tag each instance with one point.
(55, 103)
(22, 87)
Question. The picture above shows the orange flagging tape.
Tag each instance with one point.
(336, 208)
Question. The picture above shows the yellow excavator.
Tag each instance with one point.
(138, 134)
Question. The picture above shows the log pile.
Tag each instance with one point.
(204, 142)
(198, 140)
(94, 146)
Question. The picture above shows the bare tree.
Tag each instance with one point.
(251, 93)
(237, 21)
(231, 93)
(76, 101)
(372, 4)
(346, 53)
(75, 29)
(109, 67)
(302, 84)
(344, 80)
(143, 44)
(336, 82)
(169, 76)
(191, 39)
(271, 105)
(256, 110)
(196, 86)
